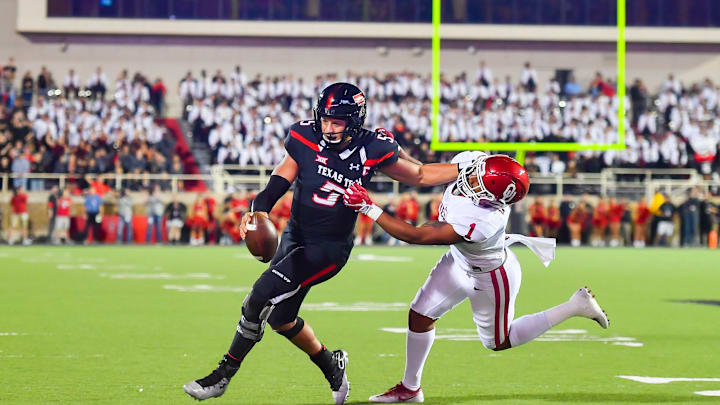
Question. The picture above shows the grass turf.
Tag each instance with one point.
(87, 325)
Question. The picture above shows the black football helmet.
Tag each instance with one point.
(343, 101)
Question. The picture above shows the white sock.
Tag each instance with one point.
(417, 348)
(560, 313)
(528, 327)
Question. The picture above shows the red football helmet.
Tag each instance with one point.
(495, 180)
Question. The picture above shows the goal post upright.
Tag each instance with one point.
(522, 147)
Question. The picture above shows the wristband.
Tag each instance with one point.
(372, 211)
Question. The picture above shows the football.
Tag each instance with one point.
(261, 238)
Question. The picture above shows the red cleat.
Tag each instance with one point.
(399, 394)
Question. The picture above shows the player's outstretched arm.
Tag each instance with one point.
(402, 154)
(433, 174)
(430, 233)
(280, 180)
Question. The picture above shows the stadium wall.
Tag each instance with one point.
(170, 56)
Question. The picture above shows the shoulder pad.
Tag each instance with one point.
(300, 137)
(379, 149)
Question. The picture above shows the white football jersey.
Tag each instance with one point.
(482, 228)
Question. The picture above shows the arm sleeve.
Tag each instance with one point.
(266, 199)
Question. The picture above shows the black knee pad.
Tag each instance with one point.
(292, 332)
(256, 312)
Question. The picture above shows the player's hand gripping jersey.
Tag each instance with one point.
(324, 174)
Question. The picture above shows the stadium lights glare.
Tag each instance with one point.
(522, 147)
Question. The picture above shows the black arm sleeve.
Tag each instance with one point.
(266, 199)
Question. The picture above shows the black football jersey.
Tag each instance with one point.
(318, 210)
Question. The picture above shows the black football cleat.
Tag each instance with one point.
(338, 380)
(214, 385)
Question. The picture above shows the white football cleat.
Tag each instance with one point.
(399, 394)
(587, 306)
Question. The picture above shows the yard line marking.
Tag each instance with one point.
(160, 276)
(90, 266)
(363, 257)
(356, 307)
(708, 393)
(205, 288)
(666, 380)
(366, 257)
(42, 259)
(83, 266)
(630, 344)
(566, 335)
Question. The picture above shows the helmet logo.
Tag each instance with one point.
(359, 99)
(509, 193)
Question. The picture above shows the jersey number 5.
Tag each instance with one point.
(332, 198)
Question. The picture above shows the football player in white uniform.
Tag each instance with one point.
(479, 266)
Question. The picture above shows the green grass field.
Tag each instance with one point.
(130, 325)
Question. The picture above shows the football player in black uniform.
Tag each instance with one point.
(324, 157)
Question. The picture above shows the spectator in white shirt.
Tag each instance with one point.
(98, 84)
(557, 166)
(528, 78)
(484, 75)
(672, 84)
(71, 85)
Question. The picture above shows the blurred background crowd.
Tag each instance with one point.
(94, 128)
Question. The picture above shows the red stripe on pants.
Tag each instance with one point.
(496, 288)
(321, 273)
(507, 300)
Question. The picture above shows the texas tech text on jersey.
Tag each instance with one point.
(324, 174)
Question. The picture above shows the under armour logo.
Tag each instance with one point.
(354, 166)
(321, 159)
(282, 276)
(509, 193)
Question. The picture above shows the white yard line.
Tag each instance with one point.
(366, 257)
(356, 307)
(666, 380)
(560, 335)
(205, 288)
(160, 276)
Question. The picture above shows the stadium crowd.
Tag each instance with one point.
(244, 120)
(94, 129)
(83, 129)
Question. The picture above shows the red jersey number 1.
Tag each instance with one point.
(472, 228)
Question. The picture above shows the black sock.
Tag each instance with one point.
(324, 361)
(239, 348)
